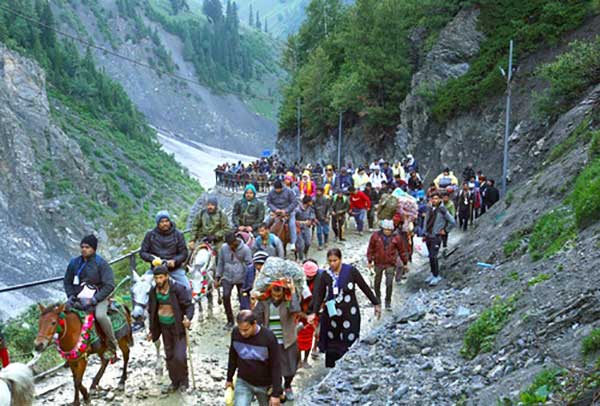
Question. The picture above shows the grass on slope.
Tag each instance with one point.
(531, 24)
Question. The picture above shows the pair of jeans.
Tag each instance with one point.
(175, 354)
(322, 232)
(101, 314)
(389, 282)
(244, 392)
(360, 215)
(433, 245)
(291, 224)
(227, 290)
(303, 242)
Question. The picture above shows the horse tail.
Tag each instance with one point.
(20, 378)
(130, 331)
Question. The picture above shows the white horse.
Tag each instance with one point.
(16, 385)
(140, 295)
(201, 269)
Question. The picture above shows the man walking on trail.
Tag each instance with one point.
(359, 205)
(258, 261)
(268, 242)
(254, 353)
(469, 172)
(322, 208)
(376, 178)
(282, 202)
(437, 223)
(464, 201)
(248, 212)
(384, 249)
(360, 179)
(210, 224)
(171, 309)
(373, 195)
(88, 283)
(166, 244)
(492, 195)
(234, 259)
(449, 205)
(339, 207)
(305, 218)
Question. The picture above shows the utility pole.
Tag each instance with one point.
(339, 146)
(299, 129)
(508, 75)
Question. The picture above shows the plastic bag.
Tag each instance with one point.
(276, 269)
(229, 396)
(420, 247)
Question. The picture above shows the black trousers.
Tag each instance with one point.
(337, 223)
(331, 357)
(371, 217)
(463, 220)
(175, 354)
(433, 245)
(227, 290)
(445, 240)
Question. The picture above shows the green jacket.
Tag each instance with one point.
(206, 224)
(340, 206)
(451, 208)
(248, 213)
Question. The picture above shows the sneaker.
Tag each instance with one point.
(315, 354)
(320, 248)
(184, 389)
(229, 325)
(306, 365)
(289, 394)
(342, 240)
(435, 280)
(388, 307)
(429, 278)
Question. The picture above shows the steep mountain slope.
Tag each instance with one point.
(283, 17)
(225, 109)
(394, 101)
(75, 158)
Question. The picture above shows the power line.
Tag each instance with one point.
(117, 55)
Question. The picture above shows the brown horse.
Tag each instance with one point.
(68, 339)
(281, 228)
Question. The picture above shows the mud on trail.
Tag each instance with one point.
(210, 346)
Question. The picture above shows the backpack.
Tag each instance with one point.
(387, 207)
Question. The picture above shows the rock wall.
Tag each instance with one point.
(36, 231)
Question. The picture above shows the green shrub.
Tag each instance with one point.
(544, 383)
(514, 242)
(591, 343)
(570, 75)
(594, 149)
(584, 198)
(538, 279)
(551, 232)
(481, 334)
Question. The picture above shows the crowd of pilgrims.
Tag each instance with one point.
(279, 329)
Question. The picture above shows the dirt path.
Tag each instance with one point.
(210, 342)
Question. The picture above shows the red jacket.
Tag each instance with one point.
(359, 201)
(385, 256)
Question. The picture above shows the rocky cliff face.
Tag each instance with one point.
(36, 232)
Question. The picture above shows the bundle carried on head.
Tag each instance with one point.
(408, 207)
(278, 269)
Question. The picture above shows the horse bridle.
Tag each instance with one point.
(48, 340)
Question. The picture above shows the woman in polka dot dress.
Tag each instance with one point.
(340, 320)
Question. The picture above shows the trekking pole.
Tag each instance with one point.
(125, 279)
(189, 352)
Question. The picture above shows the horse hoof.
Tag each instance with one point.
(121, 386)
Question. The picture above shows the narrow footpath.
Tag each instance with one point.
(210, 344)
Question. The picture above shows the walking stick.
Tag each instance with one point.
(189, 352)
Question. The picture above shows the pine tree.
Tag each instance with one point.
(48, 36)
(266, 25)
(258, 23)
(251, 17)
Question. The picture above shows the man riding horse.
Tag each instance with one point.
(248, 212)
(282, 202)
(210, 224)
(88, 282)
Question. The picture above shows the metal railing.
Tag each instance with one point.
(132, 268)
(131, 256)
